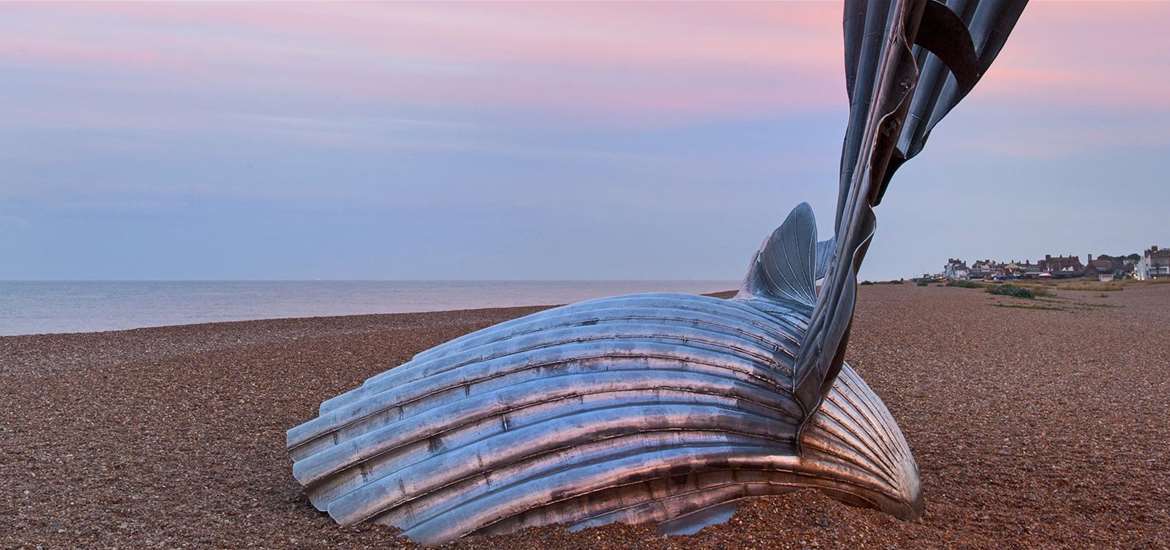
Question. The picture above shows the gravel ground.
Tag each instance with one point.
(1033, 428)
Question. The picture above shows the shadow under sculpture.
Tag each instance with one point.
(669, 408)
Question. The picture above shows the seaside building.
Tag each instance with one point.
(989, 269)
(1154, 264)
(1024, 269)
(956, 269)
(980, 268)
(1106, 268)
(1100, 269)
(1068, 266)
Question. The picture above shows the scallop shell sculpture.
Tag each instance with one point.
(668, 408)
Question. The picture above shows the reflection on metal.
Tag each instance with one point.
(668, 408)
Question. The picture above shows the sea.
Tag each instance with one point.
(39, 307)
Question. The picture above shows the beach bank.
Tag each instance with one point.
(1034, 422)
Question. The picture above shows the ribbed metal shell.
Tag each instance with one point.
(907, 64)
(650, 407)
(668, 408)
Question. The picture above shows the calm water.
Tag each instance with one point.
(28, 307)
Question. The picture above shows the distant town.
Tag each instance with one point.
(1153, 263)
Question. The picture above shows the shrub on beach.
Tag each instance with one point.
(965, 284)
(1012, 290)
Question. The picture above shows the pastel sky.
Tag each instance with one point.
(542, 141)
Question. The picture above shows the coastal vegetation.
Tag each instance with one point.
(1013, 291)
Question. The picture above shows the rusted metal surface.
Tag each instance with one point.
(668, 408)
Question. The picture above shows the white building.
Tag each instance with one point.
(1155, 264)
(956, 269)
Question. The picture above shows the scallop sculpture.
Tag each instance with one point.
(668, 408)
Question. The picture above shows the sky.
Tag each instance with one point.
(542, 141)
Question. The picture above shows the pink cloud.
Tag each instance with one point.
(1099, 55)
(605, 60)
(639, 60)
(689, 34)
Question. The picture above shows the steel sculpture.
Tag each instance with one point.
(669, 408)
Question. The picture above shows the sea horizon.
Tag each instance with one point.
(68, 306)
